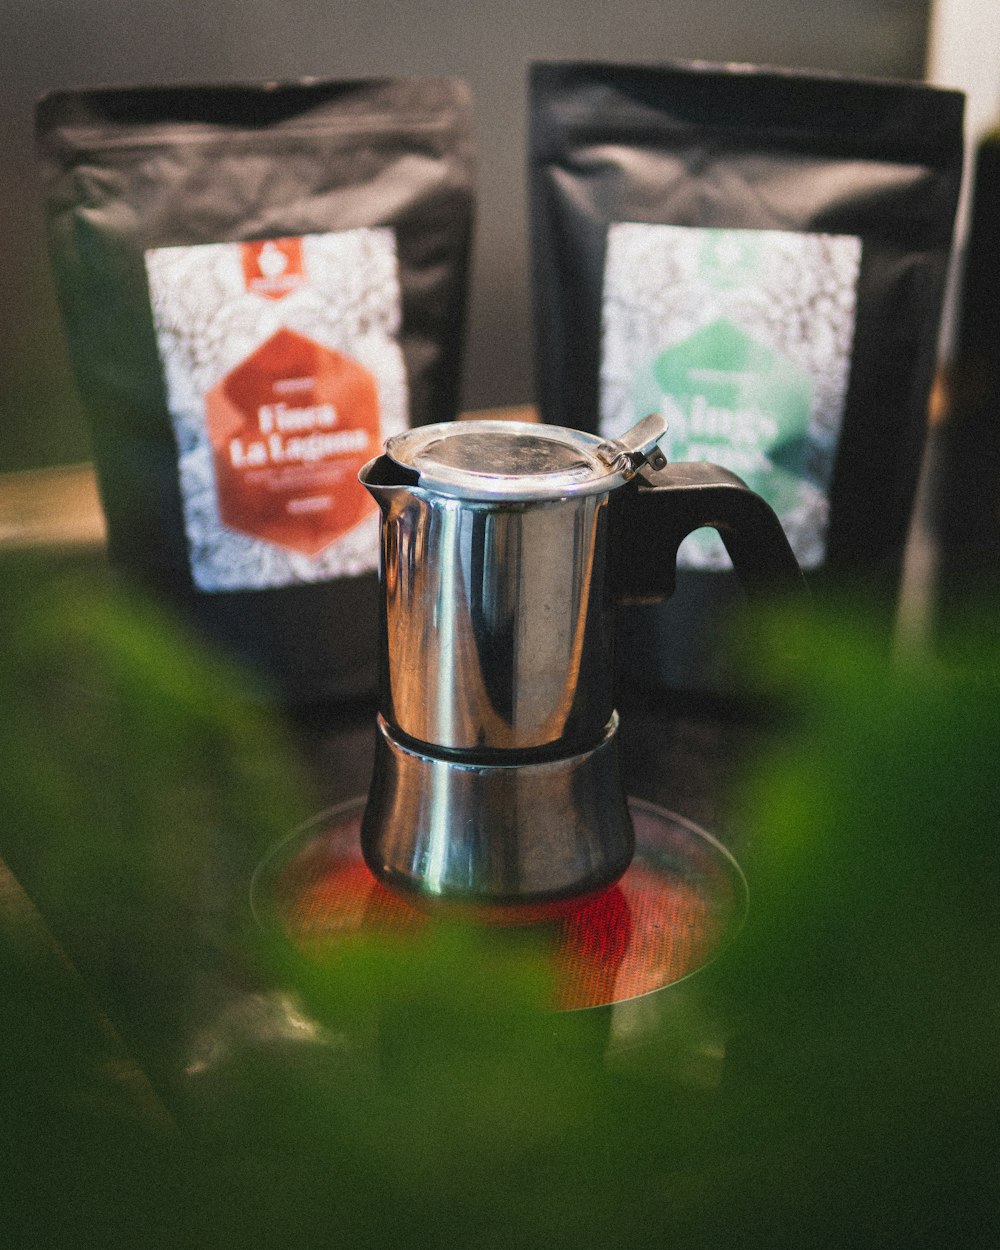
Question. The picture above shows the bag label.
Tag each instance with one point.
(742, 340)
(284, 375)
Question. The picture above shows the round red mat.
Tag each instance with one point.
(681, 900)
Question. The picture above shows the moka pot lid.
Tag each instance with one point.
(519, 460)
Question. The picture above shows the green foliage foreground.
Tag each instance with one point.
(171, 1076)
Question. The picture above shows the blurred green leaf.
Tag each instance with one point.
(418, 1092)
(140, 782)
(863, 1081)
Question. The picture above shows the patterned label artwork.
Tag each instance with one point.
(284, 375)
(742, 340)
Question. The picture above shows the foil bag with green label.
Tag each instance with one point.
(759, 255)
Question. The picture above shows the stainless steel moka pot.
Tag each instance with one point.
(505, 549)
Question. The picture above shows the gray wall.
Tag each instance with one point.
(46, 44)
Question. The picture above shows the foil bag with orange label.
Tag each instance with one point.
(260, 284)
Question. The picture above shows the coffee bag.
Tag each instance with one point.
(260, 284)
(760, 255)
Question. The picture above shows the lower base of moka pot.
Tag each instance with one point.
(450, 831)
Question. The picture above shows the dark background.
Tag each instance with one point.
(47, 44)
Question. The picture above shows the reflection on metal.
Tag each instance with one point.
(494, 620)
(496, 833)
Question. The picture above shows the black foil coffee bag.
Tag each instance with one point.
(260, 284)
(760, 255)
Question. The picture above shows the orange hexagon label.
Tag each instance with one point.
(290, 427)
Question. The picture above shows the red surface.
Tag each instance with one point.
(664, 919)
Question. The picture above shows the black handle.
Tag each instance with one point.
(660, 509)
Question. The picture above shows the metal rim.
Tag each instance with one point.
(591, 474)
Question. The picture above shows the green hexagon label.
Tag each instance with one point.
(743, 340)
(731, 400)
